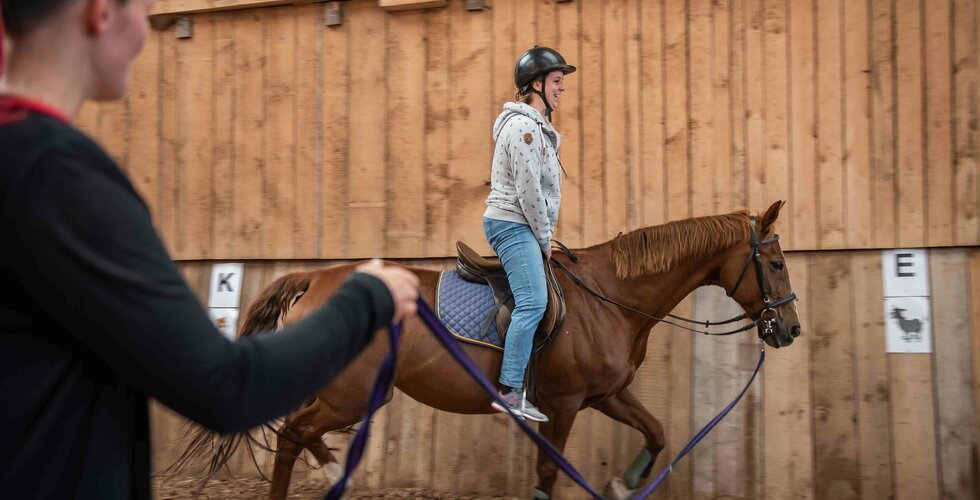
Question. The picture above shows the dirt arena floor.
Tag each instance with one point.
(312, 489)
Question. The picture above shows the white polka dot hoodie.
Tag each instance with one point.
(525, 181)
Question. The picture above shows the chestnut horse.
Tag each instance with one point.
(591, 362)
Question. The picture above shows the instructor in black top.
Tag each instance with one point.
(94, 316)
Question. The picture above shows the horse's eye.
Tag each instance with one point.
(777, 265)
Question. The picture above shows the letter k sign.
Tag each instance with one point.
(226, 285)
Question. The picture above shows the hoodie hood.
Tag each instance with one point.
(512, 109)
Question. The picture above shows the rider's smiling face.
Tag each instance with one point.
(554, 86)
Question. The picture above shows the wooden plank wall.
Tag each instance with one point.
(832, 416)
(269, 135)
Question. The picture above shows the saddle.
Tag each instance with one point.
(476, 269)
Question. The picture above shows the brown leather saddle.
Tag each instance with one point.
(476, 269)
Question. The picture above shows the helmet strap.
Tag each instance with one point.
(547, 105)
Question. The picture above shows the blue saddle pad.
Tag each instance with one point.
(463, 307)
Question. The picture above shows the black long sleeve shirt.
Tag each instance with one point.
(95, 318)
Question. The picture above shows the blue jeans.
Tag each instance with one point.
(521, 256)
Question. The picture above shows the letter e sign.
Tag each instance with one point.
(905, 273)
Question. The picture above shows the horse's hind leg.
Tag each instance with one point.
(305, 429)
(625, 408)
(289, 444)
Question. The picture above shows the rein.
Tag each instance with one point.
(768, 309)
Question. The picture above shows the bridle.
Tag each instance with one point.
(769, 307)
(765, 316)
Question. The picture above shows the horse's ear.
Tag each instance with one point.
(768, 218)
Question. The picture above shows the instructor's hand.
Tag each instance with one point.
(402, 284)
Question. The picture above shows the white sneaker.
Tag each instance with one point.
(518, 406)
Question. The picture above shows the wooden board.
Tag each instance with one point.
(702, 110)
(194, 149)
(883, 166)
(113, 131)
(367, 150)
(678, 425)
(740, 82)
(632, 115)
(166, 209)
(308, 135)
(974, 274)
(788, 407)
(144, 119)
(858, 226)
(280, 182)
(954, 377)
(590, 77)
(192, 6)
(755, 106)
(966, 53)
(705, 398)
(938, 75)
(834, 409)
(776, 176)
(405, 178)
(546, 34)
(910, 178)
(677, 133)
(803, 233)
(871, 376)
(830, 172)
(335, 193)
(615, 133)
(250, 117)
(569, 124)
(410, 4)
(438, 241)
(653, 204)
(721, 91)
(223, 158)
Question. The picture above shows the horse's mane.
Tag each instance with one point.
(659, 249)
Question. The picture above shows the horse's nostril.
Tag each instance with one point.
(795, 331)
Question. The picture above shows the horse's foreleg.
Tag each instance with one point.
(556, 431)
(625, 408)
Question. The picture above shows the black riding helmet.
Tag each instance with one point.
(535, 64)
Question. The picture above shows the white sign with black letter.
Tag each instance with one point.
(226, 285)
(905, 281)
(905, 273)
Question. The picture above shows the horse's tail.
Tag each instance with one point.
(264, 315)
(268, 310)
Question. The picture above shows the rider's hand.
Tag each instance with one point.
(402, 284)
(547, 254)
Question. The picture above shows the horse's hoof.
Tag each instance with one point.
(617, 490)
(334, 471)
